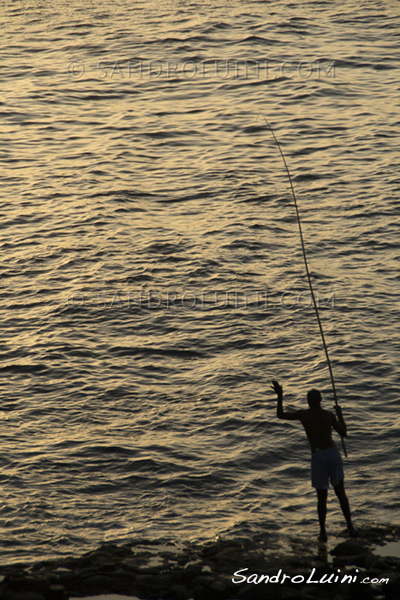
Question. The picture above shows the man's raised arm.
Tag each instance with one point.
(280, 413)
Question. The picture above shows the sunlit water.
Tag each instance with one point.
(152, 274)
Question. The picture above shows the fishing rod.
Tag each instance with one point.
(309, 276)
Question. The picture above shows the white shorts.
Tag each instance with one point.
(326, 464)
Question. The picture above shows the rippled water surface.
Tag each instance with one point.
(152, 274)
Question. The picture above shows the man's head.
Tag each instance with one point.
(314, 398)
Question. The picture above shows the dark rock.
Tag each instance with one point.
(148, 584)
(361, 561)
(362, 592)
(387, 562)
(377, 533)
(125, 579)
(392, 590)
(204, 572)
(205, 580)
(25, 585)
(56, 592)
(296, 562)
(290, 593)
(218, 585)
(97, 584)
(180, 592)
(200, 593)
(108, 556)
(211, 550)
(350, 548)
(259, 592)
(194, 568)
(185, 557)
(231, 556)
(130, 564)
(26, 595)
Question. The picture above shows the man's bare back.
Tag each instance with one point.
(318, 424)
(316, 421)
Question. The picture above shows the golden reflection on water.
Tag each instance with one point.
(118, 186)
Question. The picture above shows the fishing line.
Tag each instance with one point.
(308, 274)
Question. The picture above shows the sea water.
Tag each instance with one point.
(152, 277)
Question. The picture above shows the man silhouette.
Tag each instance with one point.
(326, 462)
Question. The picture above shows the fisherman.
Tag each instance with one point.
(326, 462)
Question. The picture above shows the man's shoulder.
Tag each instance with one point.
(329, 415)
(322, 414)
(328, 412)
(301, 413)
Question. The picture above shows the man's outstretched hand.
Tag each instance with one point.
(277, 388)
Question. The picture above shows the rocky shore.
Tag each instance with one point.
(271, 568)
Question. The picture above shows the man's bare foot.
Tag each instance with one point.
(323, 536)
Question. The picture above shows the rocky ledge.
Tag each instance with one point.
(273, 568)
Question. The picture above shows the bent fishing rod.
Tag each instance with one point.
(309, 276)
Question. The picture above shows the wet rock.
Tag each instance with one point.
(56, 592)
(23, 586)
(230, 556)
(205, 580)
(387, 562)
(362, 561)
(204, 572)
(180, 592)
(362, 592)
(259, 593)
(194, 568)
(97, 584)
(218, 585)
(392, 590)
(27, 595)
(200, 593)
(374, 532)
(350, 548)
(150, 586)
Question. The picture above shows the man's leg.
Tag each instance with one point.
(345, 506)
(322, 497)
